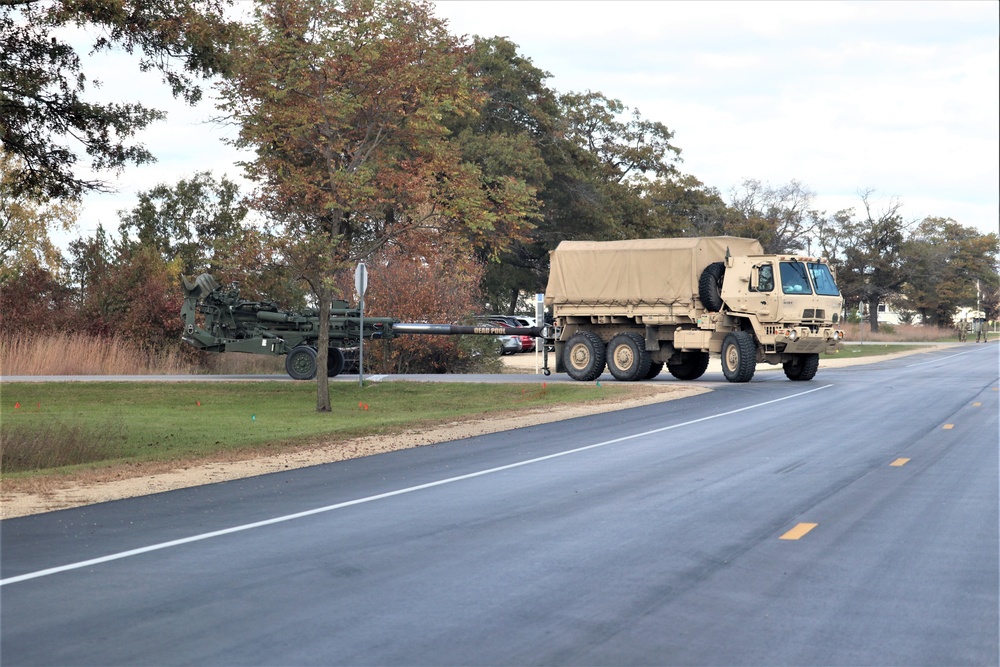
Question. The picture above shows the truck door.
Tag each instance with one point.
(764, 298)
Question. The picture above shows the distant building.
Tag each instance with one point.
(887, 315)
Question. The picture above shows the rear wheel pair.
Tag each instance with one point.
(300, 362)
(586, 355)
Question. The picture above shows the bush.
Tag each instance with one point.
(426, 283)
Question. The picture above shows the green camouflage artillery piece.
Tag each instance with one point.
(216, 319)
(634, 306)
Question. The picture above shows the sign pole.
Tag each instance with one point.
(361, 285)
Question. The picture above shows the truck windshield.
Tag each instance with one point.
(823, 279)
(794, 279)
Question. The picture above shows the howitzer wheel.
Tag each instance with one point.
(300, 363)
(334, 362)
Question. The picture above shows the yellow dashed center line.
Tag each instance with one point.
(899, 462)
(798, 531)
(977, 405)
(948, 427)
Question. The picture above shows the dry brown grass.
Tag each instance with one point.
(55, 444)
(907, 333)
(77, 354)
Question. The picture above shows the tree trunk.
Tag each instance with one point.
(323, 352)
(512, 307)
(873, 315)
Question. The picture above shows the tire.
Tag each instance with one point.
(334, 362)
(584, 356)
(654, 369)
(710, 286)
(802, 368)
(691, 367)
(739, 356)
(300, 362)
(627, 357)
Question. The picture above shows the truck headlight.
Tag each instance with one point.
(792, 335)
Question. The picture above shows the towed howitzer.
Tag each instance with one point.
(217, 319)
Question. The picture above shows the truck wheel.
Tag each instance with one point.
(802, 367)
(739, 356)
(584, 356)
(627, 357)
(710, 286)
(654, 369)
(334, 362)
(691, 367)
(300, 362)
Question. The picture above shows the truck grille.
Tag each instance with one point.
(814, 314)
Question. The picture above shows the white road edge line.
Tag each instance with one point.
(390, 494)
(934, 361)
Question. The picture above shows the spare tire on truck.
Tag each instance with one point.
(710, 286)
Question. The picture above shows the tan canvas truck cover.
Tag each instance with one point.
(643, 272)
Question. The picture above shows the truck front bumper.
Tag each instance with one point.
(803, 340)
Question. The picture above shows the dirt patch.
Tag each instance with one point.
(32, 496)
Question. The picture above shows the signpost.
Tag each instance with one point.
(361, 285)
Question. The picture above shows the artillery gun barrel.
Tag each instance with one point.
(458, 329)
(267, 316)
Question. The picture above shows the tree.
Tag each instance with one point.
(872, 268)
(26, 225)
(187, 221)
(602, 162)
(681, 205)
(780, 218)
(45, 118)
(944, 261)
(343, 102)
(34, 301)
(516, 117)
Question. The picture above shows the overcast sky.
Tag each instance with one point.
(900, 97)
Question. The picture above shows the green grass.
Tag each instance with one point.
(852, 350)
(65, 425)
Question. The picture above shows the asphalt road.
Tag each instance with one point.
(852, 520)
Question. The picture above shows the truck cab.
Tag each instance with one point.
(791, 302)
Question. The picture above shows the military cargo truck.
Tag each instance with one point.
(637, 306)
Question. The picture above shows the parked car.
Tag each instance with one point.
(508, 344)
(509, 321)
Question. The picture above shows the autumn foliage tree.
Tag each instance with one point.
(342, 103)
(424, 281)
